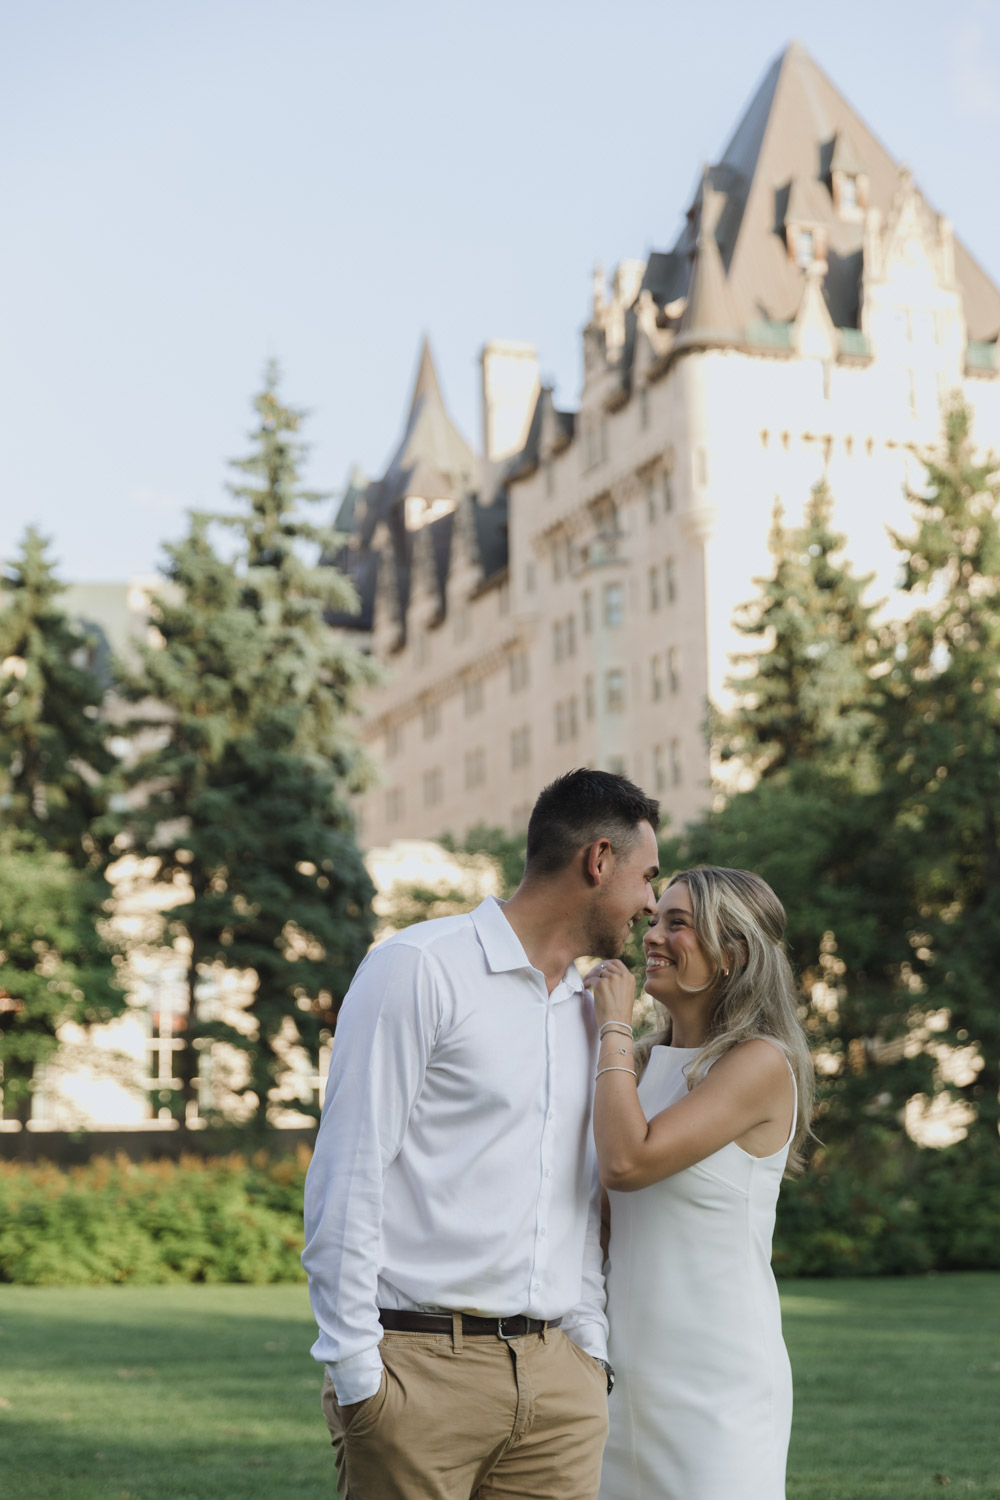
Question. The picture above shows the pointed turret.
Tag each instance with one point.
(801, 154)
(709, 317)
(426, 386)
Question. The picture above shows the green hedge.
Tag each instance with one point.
(899, 1211)
(222, 1219)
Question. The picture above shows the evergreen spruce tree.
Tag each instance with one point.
(194, 692)
(308, 664)
(944, 735)
(818, 825)
(57, 963)
(806, 691)
(248, 783)
(53, 743)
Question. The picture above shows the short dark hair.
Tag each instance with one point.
(580, 807)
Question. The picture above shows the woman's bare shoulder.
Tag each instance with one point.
(757, 1060)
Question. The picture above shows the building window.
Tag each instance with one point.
(848, 194)
(431, 719)
(614, 604)
(433, 787)
(518, 671)
(475, 768)
(393, 741)
(670, 580)
(656, 678)
(668, 492)
(558, 647)
(588, 697)
(650, 501)
(675, 762)
(673, 669)
(570, 628)
(567, 720)
(659, 769)
(614, 691)
(394, 804)
(654, 588)
(643, 408)
(473, 696)
(805, 247)
(520, 817)
(520, 747)
(587, 616)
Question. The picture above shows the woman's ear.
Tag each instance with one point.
(735, 960)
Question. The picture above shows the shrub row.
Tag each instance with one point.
(114, 1220)
(898, 1211)
(231, 1218)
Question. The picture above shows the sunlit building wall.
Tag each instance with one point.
(572, 603)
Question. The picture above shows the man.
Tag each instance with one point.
(452, 1204)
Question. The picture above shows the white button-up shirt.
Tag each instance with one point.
(454, 1166)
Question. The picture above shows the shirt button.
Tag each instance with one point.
(544, 1232)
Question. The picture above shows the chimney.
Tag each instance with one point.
(510, 390)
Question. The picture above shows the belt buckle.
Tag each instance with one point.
(505, 1336)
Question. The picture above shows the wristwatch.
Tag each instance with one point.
(609, 1372)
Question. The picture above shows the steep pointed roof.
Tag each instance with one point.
(430, 437)
(433, 461)
(783, 148)
(710, 316)
(427, 381)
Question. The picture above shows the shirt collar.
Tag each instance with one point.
(502, 946)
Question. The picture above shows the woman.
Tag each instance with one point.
(703, 1401)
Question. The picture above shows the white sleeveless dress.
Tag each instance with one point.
(702, 1405)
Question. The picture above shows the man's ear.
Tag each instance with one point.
(597, 859)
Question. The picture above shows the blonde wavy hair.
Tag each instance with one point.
(740, 924)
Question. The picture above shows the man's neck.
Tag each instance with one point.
(548, 929)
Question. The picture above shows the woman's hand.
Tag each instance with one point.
(613, 989)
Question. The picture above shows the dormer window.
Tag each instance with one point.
(848, 194)
(805, 247)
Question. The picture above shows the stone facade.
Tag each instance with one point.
(574, 606)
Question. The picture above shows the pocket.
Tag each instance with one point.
(369, 1411)
(589, 1363)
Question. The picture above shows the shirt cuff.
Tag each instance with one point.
(357, 1378)
(590, 1337)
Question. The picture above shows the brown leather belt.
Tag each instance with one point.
(396, 1321)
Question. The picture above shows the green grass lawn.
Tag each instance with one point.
(208, 1392)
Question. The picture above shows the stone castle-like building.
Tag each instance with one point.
(566, 597)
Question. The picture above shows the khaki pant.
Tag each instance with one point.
(475, 1419)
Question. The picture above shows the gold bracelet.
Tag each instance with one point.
(615, 1070)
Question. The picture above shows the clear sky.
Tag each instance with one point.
(190, 186)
